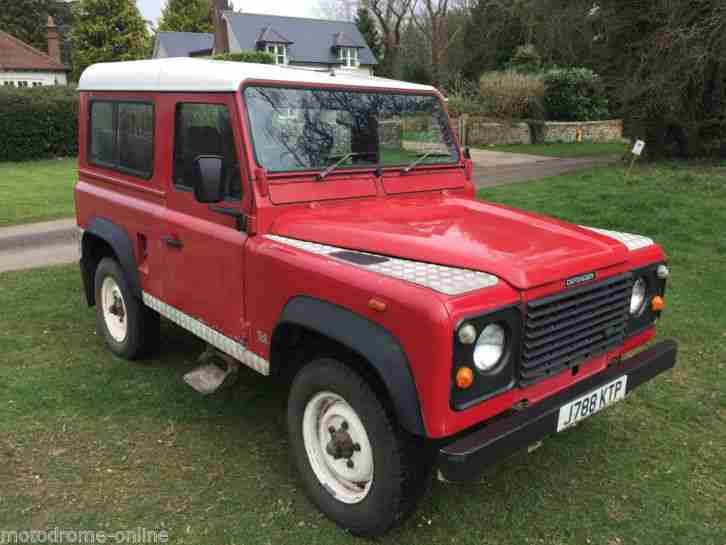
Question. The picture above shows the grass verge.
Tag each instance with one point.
(36, 190)
(89, 441)
(584, 149)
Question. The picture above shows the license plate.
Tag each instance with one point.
(591, 403)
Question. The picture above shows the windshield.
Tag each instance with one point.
(311, 129)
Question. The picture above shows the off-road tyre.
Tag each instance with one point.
(141, 327)
(401, 462)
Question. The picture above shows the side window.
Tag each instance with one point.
(121, 136)
(205, 129)
(102, 135)
(136, 137)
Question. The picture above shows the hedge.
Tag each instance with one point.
(574, 94)
(38, 122)
(260, 57)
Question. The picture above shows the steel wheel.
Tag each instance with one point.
(338, 447)
(114, 309)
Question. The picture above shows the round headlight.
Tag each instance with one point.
(489, 347)
(467, 334)
(637, 298)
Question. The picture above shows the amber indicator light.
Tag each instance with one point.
(376, 304)
(464, 378)
(658, 303)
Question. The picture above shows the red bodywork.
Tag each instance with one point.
(239, 283)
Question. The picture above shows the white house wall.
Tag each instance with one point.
(45, 78)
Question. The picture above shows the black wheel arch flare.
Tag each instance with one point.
(118, 239)
(372, 342)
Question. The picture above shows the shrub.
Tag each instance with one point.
(526, 59)
(574, 94)
(260, 57)
(511, 95)
(462, 96)
(38, 122)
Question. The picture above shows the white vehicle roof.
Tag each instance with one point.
(200, 75)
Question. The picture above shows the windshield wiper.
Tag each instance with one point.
(407, 169)
(331, 168)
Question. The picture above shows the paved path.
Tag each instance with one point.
(38, 244)
(497, 168)
(54, 242)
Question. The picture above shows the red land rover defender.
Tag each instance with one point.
(324, 227)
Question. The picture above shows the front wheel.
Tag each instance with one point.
(356, 465)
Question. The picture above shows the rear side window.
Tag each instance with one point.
(205, 129)
(121, 136)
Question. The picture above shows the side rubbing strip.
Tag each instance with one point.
(229, 346)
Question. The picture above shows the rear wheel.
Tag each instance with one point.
(356, 464)
(130, 329)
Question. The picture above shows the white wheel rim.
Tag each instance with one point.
(114, 310)
(349, 476)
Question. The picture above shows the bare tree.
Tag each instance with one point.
(338, 10)
(432, 20)
(390, 16)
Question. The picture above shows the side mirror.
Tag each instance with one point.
(467, 153)
(208, 182)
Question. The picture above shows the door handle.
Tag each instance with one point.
(172, 241)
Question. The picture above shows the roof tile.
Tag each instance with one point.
(17, 55)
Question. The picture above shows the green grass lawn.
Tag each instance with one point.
(36, 190)
(90, 441)
(584, 149)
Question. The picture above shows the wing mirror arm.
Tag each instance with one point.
(240, 217)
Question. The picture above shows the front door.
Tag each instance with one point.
(205, 249)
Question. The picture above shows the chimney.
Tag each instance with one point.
(221, 40)
(53, 42)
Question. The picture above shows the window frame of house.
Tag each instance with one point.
(116, 166)
(278, 51)
(348, 57)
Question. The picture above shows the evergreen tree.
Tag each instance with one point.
(25, 20)
(367, 28)
(108, 30)
(187, 16)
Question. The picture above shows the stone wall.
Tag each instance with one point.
(390, 133)
(484, 132)
(587, 131)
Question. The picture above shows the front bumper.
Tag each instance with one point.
(460, 459)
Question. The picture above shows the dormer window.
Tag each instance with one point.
(278, 52)
(348, 57)
(275, 43)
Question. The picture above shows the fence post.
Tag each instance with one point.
(462, 129)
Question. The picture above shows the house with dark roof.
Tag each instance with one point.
(182, 44)
(21, 65)
(295, 41)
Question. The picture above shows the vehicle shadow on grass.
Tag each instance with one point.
(521, 484)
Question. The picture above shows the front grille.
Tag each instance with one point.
(568, 328)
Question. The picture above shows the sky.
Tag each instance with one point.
(151, 9)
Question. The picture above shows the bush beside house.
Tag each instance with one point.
(260, 57)
(38, 122)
